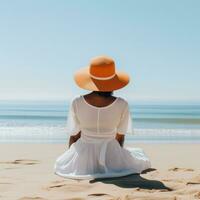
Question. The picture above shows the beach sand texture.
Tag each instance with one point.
(26, 173)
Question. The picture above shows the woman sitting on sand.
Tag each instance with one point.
(97, 124)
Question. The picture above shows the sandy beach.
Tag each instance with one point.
(27, 173)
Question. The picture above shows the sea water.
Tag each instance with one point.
(45, 122)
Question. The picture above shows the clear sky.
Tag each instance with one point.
(43, 42)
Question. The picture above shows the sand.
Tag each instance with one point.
(26, 172)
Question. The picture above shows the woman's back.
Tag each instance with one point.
(100, 121)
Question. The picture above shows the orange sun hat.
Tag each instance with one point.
(101, 75)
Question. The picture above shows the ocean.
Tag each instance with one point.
(45, 122)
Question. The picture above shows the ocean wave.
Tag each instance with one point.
(58, 134)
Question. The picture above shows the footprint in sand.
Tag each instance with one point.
(32, 198)
(194, 181)
(176, 169)
(57, 186)
(21, 162)
(99, 194)
(64, 186)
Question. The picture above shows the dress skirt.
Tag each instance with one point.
(90, 158)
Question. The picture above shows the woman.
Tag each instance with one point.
(97, 124)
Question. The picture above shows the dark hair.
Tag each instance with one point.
(104, 94)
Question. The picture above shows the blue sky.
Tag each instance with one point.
(42, 43)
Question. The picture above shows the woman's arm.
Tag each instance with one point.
(120, 139)
(74, 138)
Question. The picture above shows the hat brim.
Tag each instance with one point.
(85, 81)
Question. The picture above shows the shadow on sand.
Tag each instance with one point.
(134, 181)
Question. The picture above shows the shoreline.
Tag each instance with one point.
(57, 134)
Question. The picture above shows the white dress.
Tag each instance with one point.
(97, 154)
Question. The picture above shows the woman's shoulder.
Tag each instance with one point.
(121, 104)
(122, 100)
(75, 100)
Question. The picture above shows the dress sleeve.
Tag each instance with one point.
(125, 125)
(73, 125)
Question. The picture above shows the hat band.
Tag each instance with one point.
(102, 78)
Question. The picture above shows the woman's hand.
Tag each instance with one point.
(74, 138)
(120, 139)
